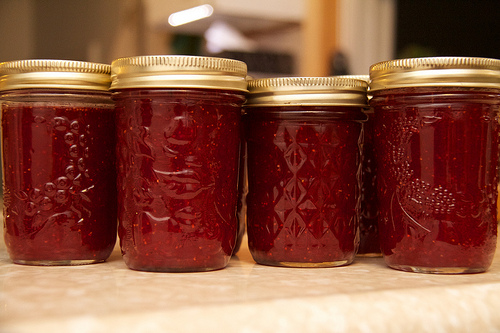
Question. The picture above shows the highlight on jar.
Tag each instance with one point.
(303, 143)
(58, 153)
(437, 136)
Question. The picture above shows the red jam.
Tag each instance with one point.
(369, 244)
(303, 184)
(437, 155)
(177, 177)
(59, 177)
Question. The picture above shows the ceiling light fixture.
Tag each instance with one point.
(190, 15)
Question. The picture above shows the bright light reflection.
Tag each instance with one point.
(190, 15)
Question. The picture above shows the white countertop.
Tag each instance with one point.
(245, 297)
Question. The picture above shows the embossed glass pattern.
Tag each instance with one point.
(178, 164)
(303, 184)
(437, 154)
(59, 176)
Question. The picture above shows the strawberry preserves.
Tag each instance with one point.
(58, 144)
(437, 149)
(303, 138)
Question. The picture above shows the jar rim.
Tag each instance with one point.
(284, 91)
(178, 71)
(54, 74)
(435, 72)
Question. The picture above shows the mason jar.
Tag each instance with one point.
(303, 138)
(58, 148)
(178, 123)
(436, 134)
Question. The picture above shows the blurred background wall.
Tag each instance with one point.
(275, 37)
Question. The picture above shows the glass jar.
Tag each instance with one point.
(178, 121)
(303, 138)
(58, 148)
(436, 133)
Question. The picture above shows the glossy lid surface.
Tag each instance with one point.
(342, 91)
(58, 74)
(436, 71)
(178, 72)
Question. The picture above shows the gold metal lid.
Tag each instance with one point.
(435, 72)
(319, 91)
(58, 74)
(178, 72)
(365, 78)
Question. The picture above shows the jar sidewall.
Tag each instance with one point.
(191, 137)
(307, 113)
(428, 95)
(56, 130)
(273, 141)
(42, 97)
(401, 116)
(179, 93)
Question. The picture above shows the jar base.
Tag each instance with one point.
(307, 264)
(78, 262)
(438, 270)
(165, 268)
(175, 270)
(369, 255)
